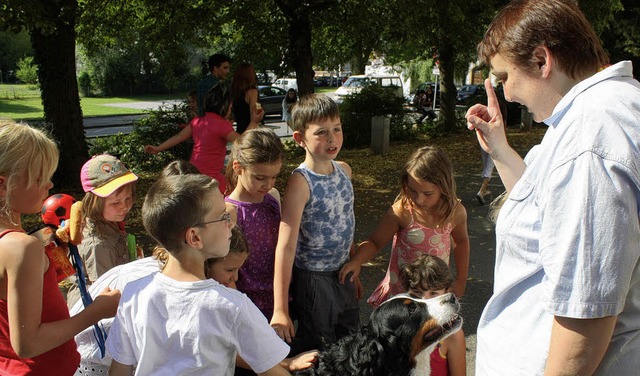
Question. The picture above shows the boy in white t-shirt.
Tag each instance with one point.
(177, 321)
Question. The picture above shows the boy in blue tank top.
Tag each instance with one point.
(316, 234)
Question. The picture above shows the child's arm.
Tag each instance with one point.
(457, 354)
(25, 263)
(300, 361)
(257, 113)
(172, 141)
(296, 196)
(276, 370)
(119, 369)
(461, 249)
(389, 225)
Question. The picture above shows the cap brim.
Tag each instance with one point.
(114, 184)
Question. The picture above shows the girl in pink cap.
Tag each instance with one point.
(110, 191)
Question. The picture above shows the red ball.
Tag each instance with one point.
(56, 209)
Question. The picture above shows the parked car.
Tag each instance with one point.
(355, 84)
(471, 94)
(271, 97)
(286, 83)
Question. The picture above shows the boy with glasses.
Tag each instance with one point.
(177, 321)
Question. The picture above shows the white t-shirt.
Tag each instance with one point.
(167, 327)
(568, 236)
(115, 278)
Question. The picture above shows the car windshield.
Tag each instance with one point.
(356, 82)
(467, 89)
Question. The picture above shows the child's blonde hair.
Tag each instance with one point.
(427, 272)
(238, 245)
(255, 146)
(24, 149)
(431, 164)
(313, 108)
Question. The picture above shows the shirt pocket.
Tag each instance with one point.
(518, 209)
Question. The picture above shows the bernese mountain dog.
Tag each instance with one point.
(397, 340)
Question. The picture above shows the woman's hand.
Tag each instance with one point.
(487, 122)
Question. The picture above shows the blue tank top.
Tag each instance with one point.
(328, 221)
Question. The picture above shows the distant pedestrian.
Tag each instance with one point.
(244, 91)
(427, 218)
(287, 102)
(192, 106)
(487, 171)
(219, 64)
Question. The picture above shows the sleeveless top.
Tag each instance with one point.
(410, 243)
(241, 113)
(62, 360)
(439, 365)
(328, 221)
(259, 223)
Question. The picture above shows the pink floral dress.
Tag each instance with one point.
(408, 244)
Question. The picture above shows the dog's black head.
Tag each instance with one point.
(399, 334)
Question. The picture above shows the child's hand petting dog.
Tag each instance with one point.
(300, 361)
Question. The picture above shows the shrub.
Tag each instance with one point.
(27, 71)
(153, 129)
(357, 110)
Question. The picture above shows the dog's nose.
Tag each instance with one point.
(451, 299)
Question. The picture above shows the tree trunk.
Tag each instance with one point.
(448, 102)
(300, 47)
(55, 56)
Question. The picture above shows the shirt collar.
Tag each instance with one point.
(621, 69)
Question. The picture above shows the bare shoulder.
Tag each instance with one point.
(401, 213)
(456, 340)
(17, 248)
(459, 214)
(297, 187)
(275, 194)
(345, 167)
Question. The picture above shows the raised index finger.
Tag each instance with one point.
(492, 99)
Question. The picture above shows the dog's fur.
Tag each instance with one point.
(397, 341)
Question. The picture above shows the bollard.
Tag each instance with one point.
(380, 134)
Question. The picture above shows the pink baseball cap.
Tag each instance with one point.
(103, 174)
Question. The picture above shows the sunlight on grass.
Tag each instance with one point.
(18, 102)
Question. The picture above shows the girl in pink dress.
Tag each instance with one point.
(427, 218)
(254, 204)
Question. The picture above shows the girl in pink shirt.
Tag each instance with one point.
(210, 134)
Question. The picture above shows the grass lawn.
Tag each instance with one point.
(19, 102)
(324, 89)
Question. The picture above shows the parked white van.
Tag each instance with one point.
(286, 83)
(354, 84)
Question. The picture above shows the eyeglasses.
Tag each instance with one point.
(225, 217)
